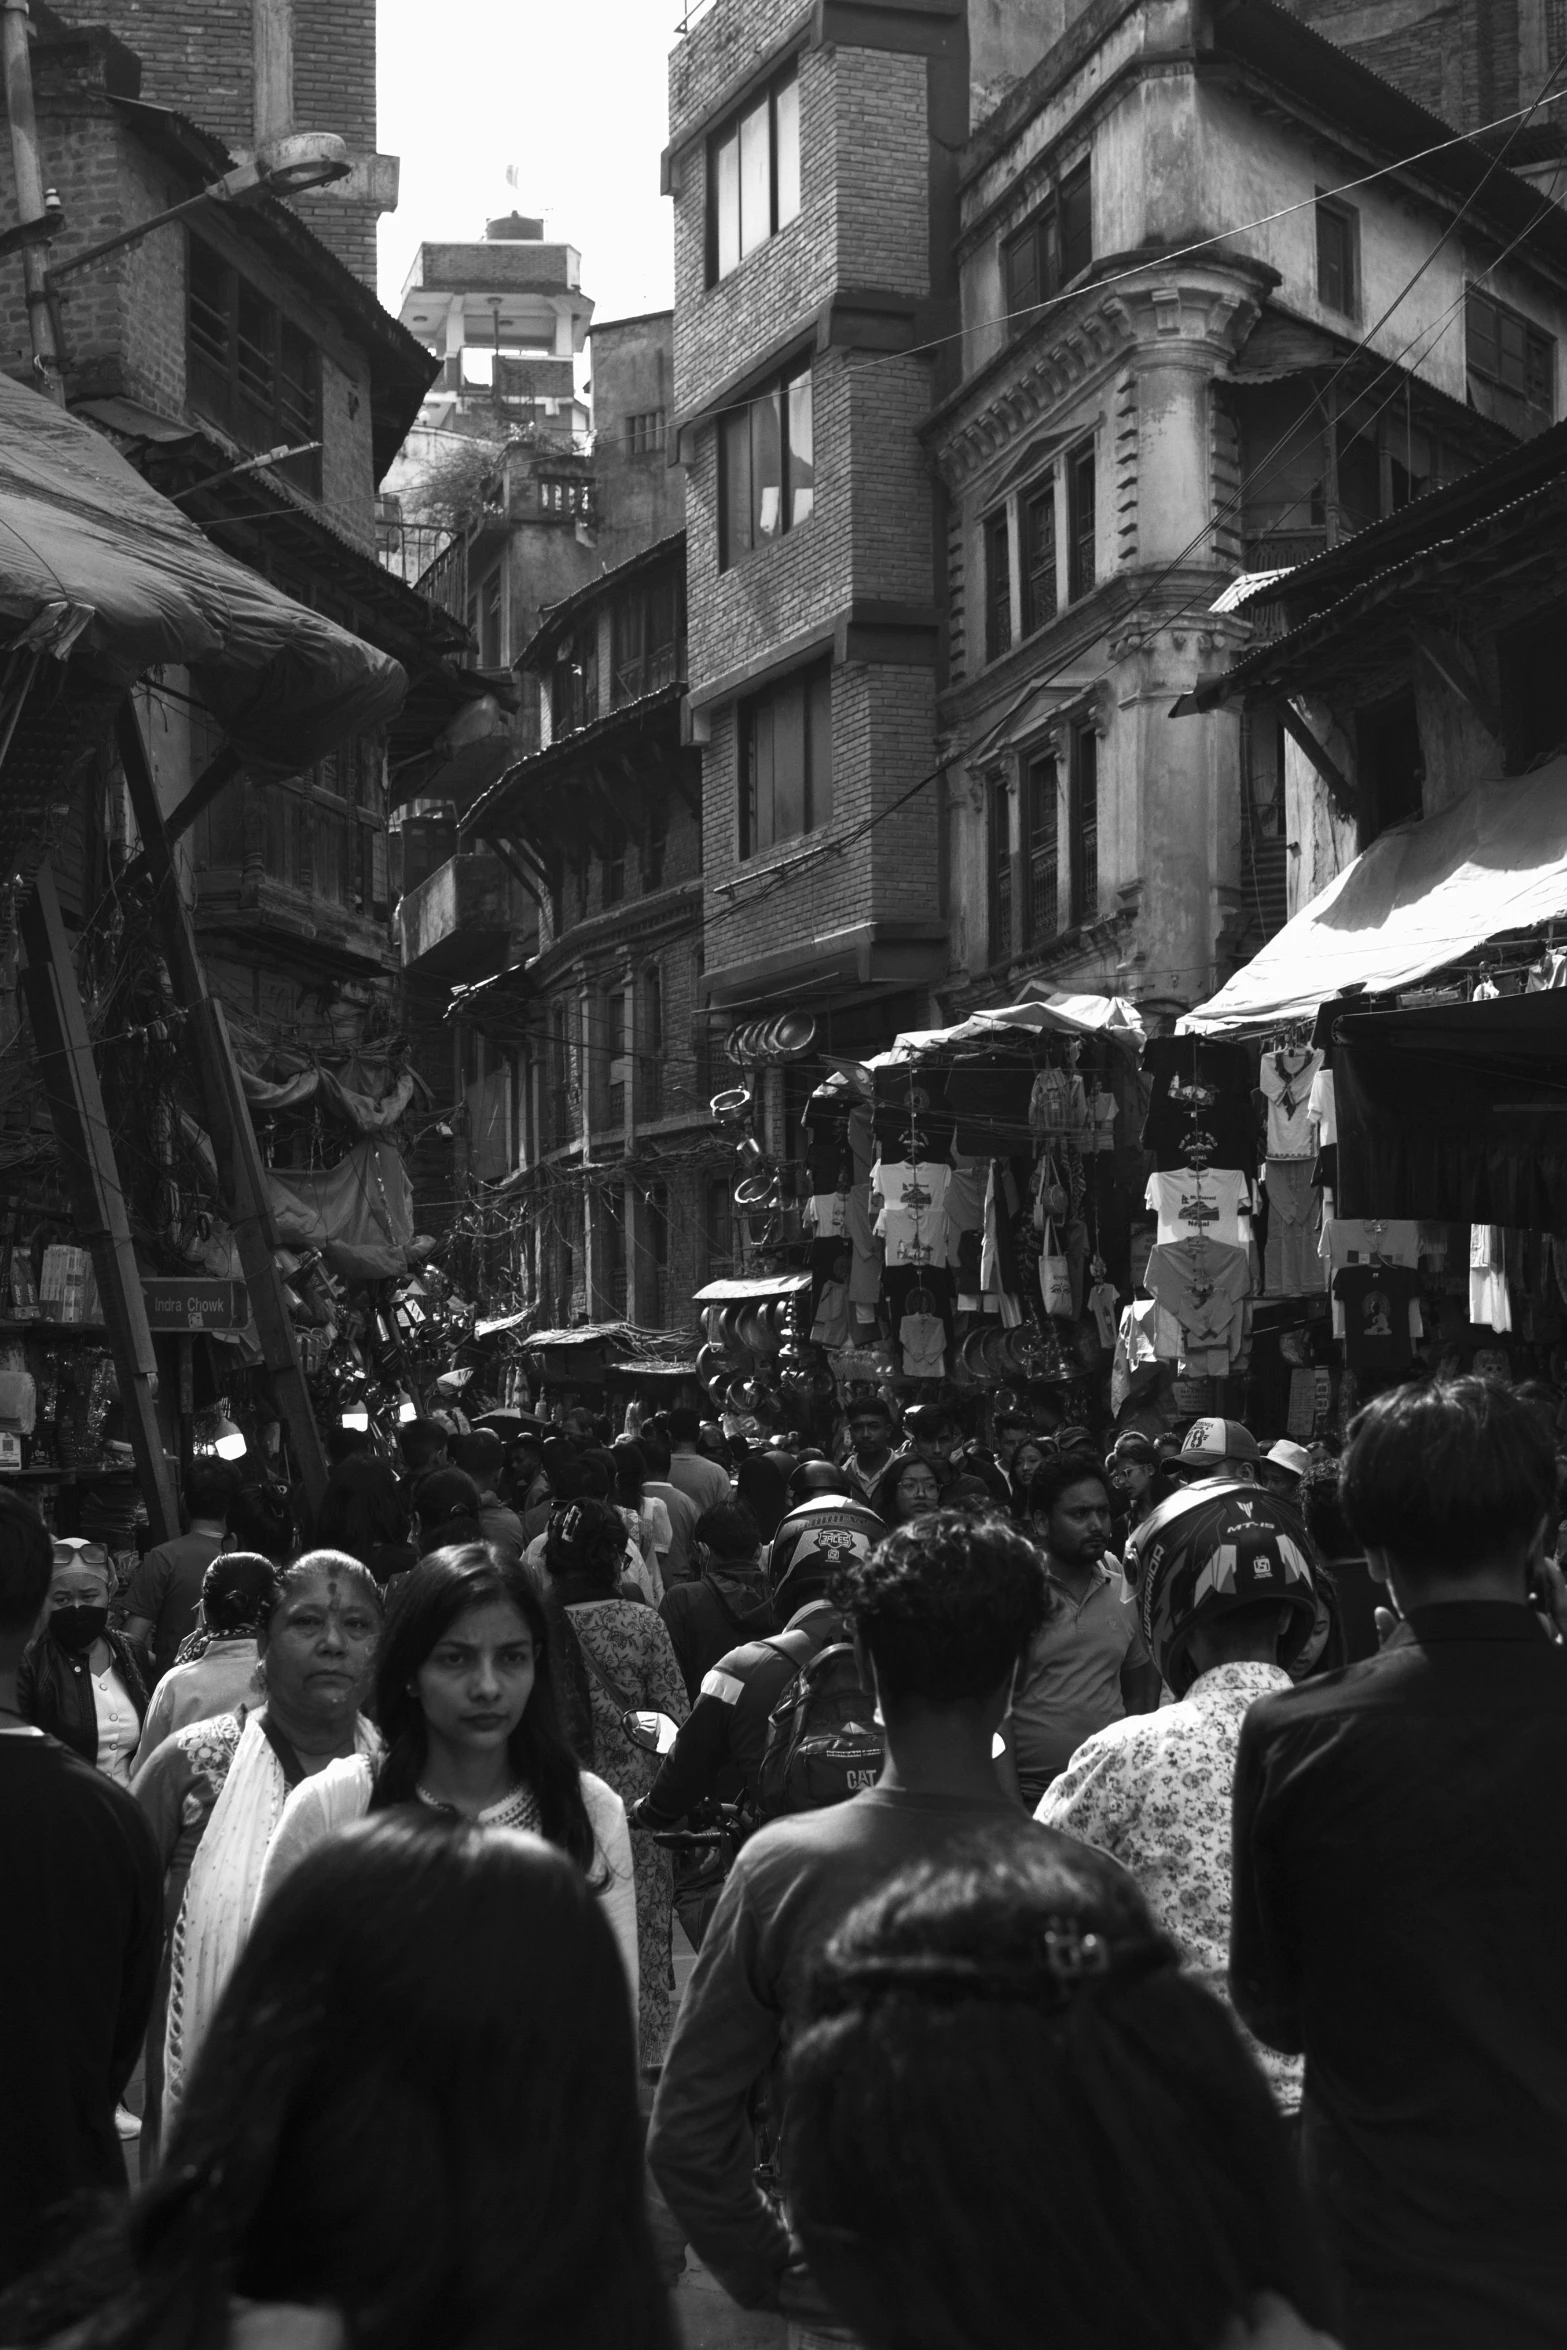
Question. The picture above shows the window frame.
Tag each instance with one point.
(783, 202)
(996, 534)
(1041, 791)
(1503, 314)
(774, 407)
(1040, 244)
(1083, 824)
(1082, 550)
(260, 412)
(1346, 218)
(1037, 497)
(813, 686)
(1000, 941)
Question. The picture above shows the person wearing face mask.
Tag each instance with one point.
(215, 1791)
(81, 1682)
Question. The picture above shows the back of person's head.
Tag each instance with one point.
(630, 1466)
(817, 1475)
(416, 2105)
(1014, 2121)
(655, 1451)
(685, 1425)
(342, 1443)
(1450, 1476)
(447, 1504)
(730, 1533)
(238, 1592)
(364, 1507)
(209, 1489)
(586, 1538)
(481, 1453)
(762, 1483)
(579, 1477)
(421, 1442)
(444, 1585)
(261, 1518)
(26, 1566)
(945, 1607)
(1321, 1508)
(600, 1463)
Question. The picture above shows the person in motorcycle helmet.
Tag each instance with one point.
(719, 1749)
(1226, 1586)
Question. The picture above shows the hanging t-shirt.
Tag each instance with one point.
(1058, 1104)
(914, 1236)
(903, 1186)
(1322, 1111)
(831, 1326)
(989, 1098)
(1205, 1203)
(1286, 1080)
(1205, 1289)
(1377, 1302)
(923, 1339)
(1488, 1299)
(1099, 1133)
(865, 1265)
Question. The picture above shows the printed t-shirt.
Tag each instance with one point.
(1205, 1290)
(1286, 1079)
(1200, 1204)
(1376, 1301)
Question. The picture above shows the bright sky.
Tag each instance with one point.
(573, 95)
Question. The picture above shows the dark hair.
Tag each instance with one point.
(1061, 1471)
(322, 1561)
(416, 2104)
(26, 1563)
(1449, 1474)
(210, 1487)
(655, 1451)
(684, 1425)
(990, 2148)
(238, 1592)
(481, 1453)
(580, 1477)
(884, 1499)
(868, 1407)
(630, 1467)
(729, 1531)
(261, 1518)
(344, 1444)
(762, 1483)
(426, 1604)
(587, 1538)
(1322, 1509)
(421, 1442)
(446, 1497)
(363, 1508)
(946, 1606)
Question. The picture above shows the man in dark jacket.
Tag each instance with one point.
(729, 1601)
(79, 1954)
(1400, 1903)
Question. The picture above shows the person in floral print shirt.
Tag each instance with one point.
(1226, 1592)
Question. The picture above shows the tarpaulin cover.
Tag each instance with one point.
(1419, 897)
(1068, 1015)
(1457, 1112)
(360, 1213)
(90, 555)
(361, 1111)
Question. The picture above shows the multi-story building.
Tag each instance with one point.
(203, 350)
(1210, 325)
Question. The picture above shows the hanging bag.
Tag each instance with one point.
(1055, 1277)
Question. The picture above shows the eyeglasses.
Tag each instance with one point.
(70, 1550)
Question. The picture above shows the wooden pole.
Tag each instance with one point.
(70, 1080)
(228, 1115)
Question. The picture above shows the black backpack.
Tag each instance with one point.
(823, 1741)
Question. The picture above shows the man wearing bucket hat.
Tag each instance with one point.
(1283, 1466)
(1225, 1590)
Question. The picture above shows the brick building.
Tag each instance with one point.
(1130, 432)
(247, 70)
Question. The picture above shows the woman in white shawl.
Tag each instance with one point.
(317, 1651)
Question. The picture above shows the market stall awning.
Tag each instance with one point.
(1066, 1015)
(1418, 898)
(93, 559)
(752, 1285)
(1455, 1112)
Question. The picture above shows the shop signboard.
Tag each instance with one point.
(186, 1305)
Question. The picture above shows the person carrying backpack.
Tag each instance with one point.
(729, 1600)
(937, 1616)
(720, 1749)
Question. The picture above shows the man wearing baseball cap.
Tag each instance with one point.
(1213, 1448)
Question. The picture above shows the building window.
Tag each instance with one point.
(767, 471)
(560, 1076)
(574, 680)
(565, 497)
(1338, 243)
(1042, 815)
(652, 1071)
(1085, 824)
(786, 761)
(654, 1309)
(615, 863)
(998, 585)
(1080, 524)
(579, 870)
(1037, 531)
(655, 845)
(250, 368)
(753, 175)
(645, 638)
(611, 1236)
(645, 433)
(718, 1227)
(999, 849)
(1048, 251)
(1512, 358)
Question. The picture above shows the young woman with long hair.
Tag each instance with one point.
(465, 1698)
(1013, 2121)
(414, 2122)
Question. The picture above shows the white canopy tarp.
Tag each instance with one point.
(1418, 898)
(1069, 1015)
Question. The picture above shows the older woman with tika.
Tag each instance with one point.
(215, 1791)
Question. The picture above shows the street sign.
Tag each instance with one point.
(196, 1305)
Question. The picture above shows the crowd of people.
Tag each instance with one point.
(1125, 1886)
